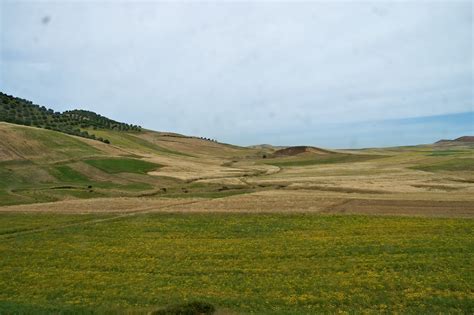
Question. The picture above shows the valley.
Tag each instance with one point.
(153, 219)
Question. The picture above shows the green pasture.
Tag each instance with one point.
(243, 263)
(123, 165)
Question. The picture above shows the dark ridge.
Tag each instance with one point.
(463, 139)
(442, 141)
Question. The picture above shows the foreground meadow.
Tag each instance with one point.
(240, 262)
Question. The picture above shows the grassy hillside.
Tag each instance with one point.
(23, 112)
(40, 165)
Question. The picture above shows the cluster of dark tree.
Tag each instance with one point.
(87, 119)
(208, 139)
(23, 112)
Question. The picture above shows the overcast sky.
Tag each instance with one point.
(332, 74)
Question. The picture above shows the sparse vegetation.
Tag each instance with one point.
(323, 159)
(208, 139)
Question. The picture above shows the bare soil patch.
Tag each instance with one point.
(336, 203)
(430, 208)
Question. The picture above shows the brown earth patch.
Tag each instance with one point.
(438, 187)
(349, 190)
(430, 208)
(334, 203)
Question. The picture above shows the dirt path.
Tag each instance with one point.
(131, 213)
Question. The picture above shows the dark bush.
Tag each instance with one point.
(192, 308)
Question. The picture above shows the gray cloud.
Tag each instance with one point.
(226, 70)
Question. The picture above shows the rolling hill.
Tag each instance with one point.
(151, 215)
(50, 156)
(39, 163)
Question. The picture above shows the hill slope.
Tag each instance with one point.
(23, 112)
(457, 141)
(39, 165)
(296, 150)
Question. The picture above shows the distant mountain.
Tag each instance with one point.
(74, 122)
(465, 139)
(460, 140)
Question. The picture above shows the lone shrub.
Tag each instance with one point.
(192, 308)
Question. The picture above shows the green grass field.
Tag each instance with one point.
(122, 165)
(448, 152)
(245, 263)
(66, 174)
(23, 182)
(457, 164)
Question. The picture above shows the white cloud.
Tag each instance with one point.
(221, 69)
